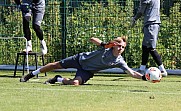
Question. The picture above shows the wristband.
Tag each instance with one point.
(102, 44)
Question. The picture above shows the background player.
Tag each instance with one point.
(150, 10)
(36, 9)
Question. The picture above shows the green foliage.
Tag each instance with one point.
(170, 39)
(52, 30)
(95, 21)
(9, 25)
(91, 19)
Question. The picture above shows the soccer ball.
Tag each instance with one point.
(153, 75)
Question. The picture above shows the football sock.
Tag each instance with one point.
(60, 79)
(36, 72)
(26, 29)
(156, 56)
(29, 43)
(42, 41)
(38, 31)
(145, 55)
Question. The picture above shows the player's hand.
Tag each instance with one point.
(25, 7)
(133, 22)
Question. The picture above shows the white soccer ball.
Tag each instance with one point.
(153, 74)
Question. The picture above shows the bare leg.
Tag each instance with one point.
(46, 68)
(75, 81)
(50, 67)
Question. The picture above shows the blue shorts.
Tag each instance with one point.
(73, 62)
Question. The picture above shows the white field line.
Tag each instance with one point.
(86, 90)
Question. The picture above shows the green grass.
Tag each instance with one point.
(105, 92)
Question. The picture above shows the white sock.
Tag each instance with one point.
(29, 43)
(60, 79)
(161, 67)
(42, 41)
(36, 72)
(142, 67)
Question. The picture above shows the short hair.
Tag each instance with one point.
(120, 39)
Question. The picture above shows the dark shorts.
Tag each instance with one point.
(73, 62)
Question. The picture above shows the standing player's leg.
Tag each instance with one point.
(145, 56)
(145, 51)
(26, 30)
(158, 61)
(38, 14)
(153, 36)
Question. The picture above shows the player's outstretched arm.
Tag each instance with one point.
(135, 74)
(96, 41)
(99, 42)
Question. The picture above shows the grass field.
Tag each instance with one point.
(105, 92)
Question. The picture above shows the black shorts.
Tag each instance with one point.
(73, 62)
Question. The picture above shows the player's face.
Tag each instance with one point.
(119, 48)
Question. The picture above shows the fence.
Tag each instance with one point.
(68, 25)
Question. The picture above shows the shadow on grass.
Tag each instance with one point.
(117, 79)
(122, 85)
(87, 84)
(138, 91)
(34, 82)
(9, 76)
(172, 81)
(105, 75)
(111, 75)
(12, 76)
